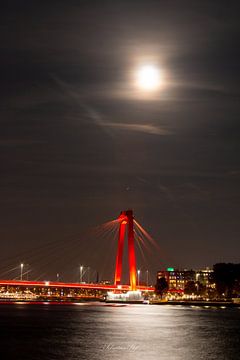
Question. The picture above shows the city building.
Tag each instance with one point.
(178, 279)
(205, 278)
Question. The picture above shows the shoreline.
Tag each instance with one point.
(206, 304)
(199, 303)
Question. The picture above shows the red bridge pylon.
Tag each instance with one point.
(126, 219)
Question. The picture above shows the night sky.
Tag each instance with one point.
(79, 142)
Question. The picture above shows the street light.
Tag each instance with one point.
(21, 273)
(138, 276)
(147, 277)
(81, 274)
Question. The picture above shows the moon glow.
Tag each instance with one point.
(148, 77)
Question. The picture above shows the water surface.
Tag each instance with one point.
(98, 331)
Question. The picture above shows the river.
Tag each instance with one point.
(100, 331)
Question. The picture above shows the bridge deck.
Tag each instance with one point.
(56, 284)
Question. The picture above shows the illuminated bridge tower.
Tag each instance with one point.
(126, 220)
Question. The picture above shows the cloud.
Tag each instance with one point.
(144, 128)
(233, 173)
(19, 142)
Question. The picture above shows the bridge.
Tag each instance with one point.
(62, 285)
(126, 224)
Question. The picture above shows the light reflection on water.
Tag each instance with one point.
(98, 331)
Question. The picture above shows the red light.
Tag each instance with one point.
(126, 217)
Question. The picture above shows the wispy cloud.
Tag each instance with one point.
(144, 128)
(100, 121)
(19, 142)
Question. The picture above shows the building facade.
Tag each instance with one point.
(178, 279)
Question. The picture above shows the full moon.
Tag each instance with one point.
(148, 77)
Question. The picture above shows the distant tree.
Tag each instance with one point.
(236, 288)
(190, 288)
(161, 286)
(227, 278)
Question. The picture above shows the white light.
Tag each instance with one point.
(123, 297)
(148, 77)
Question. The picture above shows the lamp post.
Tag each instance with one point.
(138, 277)
(21, 273)
(81, 274)
(147, 277)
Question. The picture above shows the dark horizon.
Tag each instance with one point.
(79, 143)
